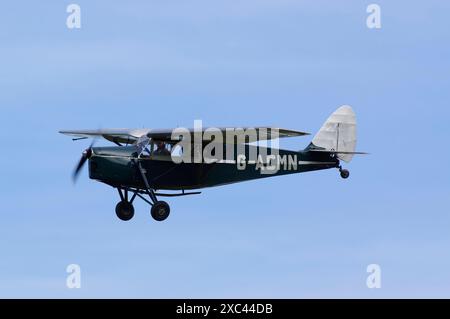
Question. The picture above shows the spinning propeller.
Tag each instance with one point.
(87, 153)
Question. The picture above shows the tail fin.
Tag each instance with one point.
(337, 134)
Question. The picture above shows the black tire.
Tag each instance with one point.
(160, 211)
(124, 210)
(345, 173)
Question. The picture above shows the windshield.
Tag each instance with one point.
(144, 146)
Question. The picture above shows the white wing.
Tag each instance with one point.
(130, 136)
(125, 136)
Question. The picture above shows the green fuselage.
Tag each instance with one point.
(118, 167)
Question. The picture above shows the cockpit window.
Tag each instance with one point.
(148, 148)
(161, 148)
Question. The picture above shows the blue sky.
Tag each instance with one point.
(287, 63)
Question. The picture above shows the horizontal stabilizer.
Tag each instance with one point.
(339, 152)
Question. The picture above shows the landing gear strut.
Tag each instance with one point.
(160, 210)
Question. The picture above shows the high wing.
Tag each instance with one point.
(124, 136)
(131, 136)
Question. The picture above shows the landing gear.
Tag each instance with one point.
(160, 211)
(344, 173)
(124, 210)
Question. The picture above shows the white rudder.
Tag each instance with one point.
(338, 133)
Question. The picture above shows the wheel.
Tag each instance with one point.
(160, 211)
(344, 173)
(124, 210)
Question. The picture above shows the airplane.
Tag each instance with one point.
(145, 162)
